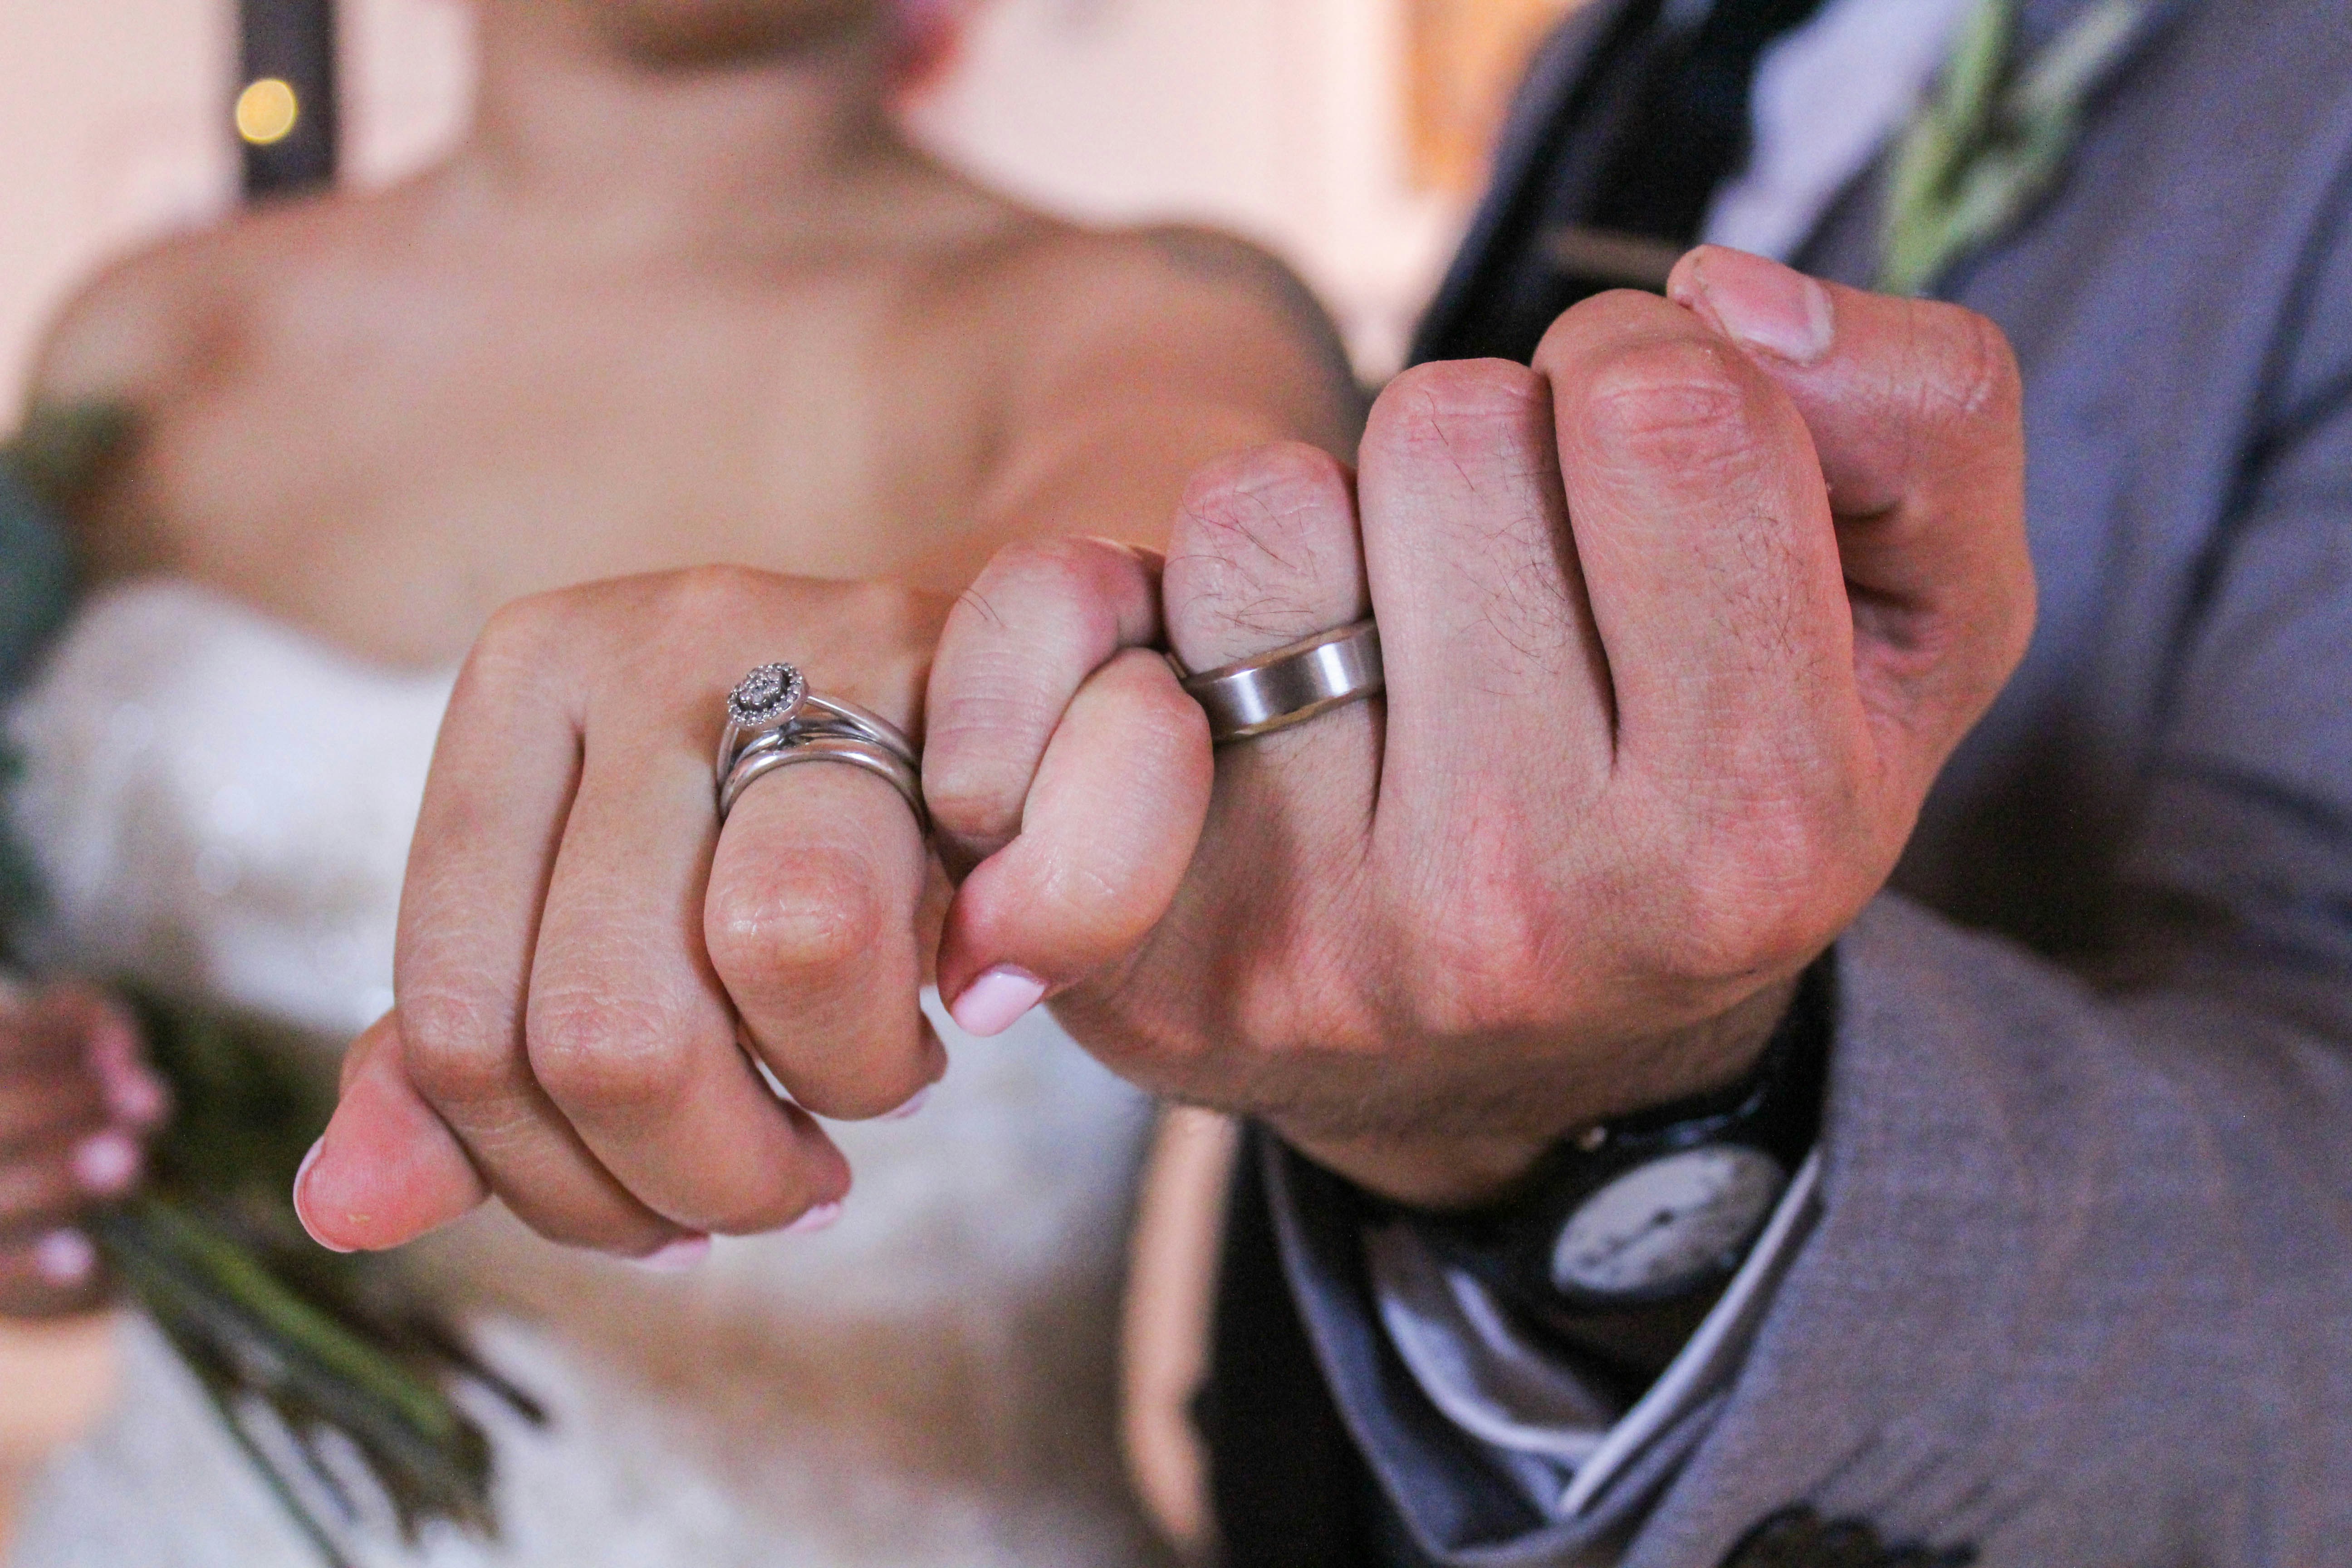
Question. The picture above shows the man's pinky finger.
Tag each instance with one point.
(1106, 836)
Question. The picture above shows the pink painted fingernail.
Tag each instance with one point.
(913, 1104)
(65, 1257)
(818, 1218)
(301, 1177)
(106, 1164)
(1769, 307)
(679, 1257)
(996, 1001)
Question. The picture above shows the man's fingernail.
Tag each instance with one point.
(818, 1218)
(913, 1104)
(1769, 307)
(301, 1180)
(65, 1257)
(106, 1164)
(996, 1001)
(677, 1257)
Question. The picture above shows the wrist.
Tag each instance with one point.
(1466, 1166)
(1620, 1238)
(1441, 1172)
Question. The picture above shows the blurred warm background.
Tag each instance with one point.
(1350, 135)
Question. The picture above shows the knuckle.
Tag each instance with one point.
(1248, 506)
(785, 923)
(876, 613)
(1669, 400)
(525, 625)
(516, 645)
(707, 595)
(873, 641)
(457, 1050)
(597, 1053)
(1264, 550)
(1072, 572)
(1448, 407)
(1981, 385)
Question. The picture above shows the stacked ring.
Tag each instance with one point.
(774, 720)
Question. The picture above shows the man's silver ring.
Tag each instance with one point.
(1291, 685)
(774, 720)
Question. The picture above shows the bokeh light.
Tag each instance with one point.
(267, 112)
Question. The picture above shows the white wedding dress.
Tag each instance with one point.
(223, 807)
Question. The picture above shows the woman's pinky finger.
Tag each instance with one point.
(1020, 643)
(1105, 835)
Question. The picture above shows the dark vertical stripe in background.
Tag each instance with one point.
(292, 41)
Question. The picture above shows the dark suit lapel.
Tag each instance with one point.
(1843, 245)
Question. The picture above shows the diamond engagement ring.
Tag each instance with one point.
(774, 720)
(1291, 685)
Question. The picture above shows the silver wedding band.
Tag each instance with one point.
(1291, 685)
(774, 720)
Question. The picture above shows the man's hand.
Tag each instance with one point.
(578, 1032)
(1679, 627)
(76, 1103)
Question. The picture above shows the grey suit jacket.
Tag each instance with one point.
(2081, 1293)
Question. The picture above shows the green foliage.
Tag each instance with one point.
(64, 449)
(1994, 138)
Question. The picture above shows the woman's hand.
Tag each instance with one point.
(576, 1033)
(75, 1104)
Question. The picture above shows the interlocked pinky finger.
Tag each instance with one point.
(1108, 831)
(1020, 643)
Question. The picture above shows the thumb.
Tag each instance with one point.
(387, 1170)
(1915, 409)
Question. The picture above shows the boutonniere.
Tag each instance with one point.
(1993, 136)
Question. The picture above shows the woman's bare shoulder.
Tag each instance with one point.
(1177, 301)
(145, 322)
(1154, 267)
